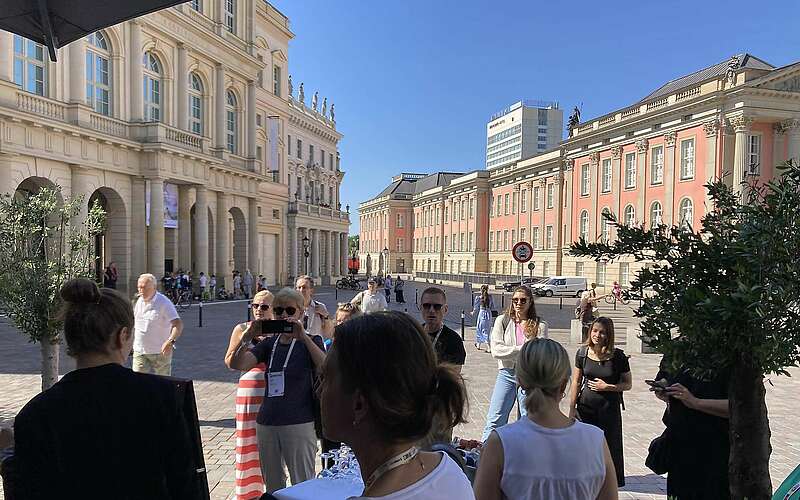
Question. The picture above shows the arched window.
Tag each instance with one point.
(584, 225)
(195, 104)
(686, 212)
(230, 15)
(656, 214)
(152, 87)
(30, 68)
(98, 73)
(605, 226)
(230, 121)
(630, 215)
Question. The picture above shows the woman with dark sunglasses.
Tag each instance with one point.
(518, 324)
(249, 396)
(285, 422)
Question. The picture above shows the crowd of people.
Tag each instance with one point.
(381, 382)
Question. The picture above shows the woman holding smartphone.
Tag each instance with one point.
(285, 421)
(601, 374)
(249, 396)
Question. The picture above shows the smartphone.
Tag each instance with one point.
(275, 326)
(656, 384)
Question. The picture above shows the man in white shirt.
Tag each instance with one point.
(203, 285)
(157, 328)
(316, 320)
(370, 300)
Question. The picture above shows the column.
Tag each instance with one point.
(343, 254)
(222, 230)
(253, 260)
(669, 176)
(201, 230)
(337, 257)
(314, 237)
(80, 187)
(6, 56)
(251, 119)
(138, 229)
(711, 129)
(182, 94)
(219, 107)
(155, 233)
(617, 185)
(220, 16)
(569, 173)
(559, 207)
(77, 71)
(293, 234)
(642, 146)
(250, 24)
(136, 72)
(185, 229)
(793, 131)
(778, 143)
(542, 214)
(741, 127)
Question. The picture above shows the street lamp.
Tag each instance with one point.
(385, 261)
(306, 253)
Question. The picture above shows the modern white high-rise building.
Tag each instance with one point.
(524, 129)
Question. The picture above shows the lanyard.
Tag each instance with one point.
(436, 338)
(308, 321)
(275, 348)
(390, 464)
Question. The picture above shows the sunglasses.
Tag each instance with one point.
(435, 307)
(520, 301)
(288, 310)
(263, 307)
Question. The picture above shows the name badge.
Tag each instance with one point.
(275, 384)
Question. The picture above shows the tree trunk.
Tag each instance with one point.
(748, 465)
(50, 350)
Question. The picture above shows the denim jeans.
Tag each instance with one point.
(503, 396)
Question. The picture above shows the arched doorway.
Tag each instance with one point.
(32, 185)
(112, 245)
(239, 239)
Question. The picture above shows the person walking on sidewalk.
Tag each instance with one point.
(398, 290)
(157, 328)
(370, 300)
(600, 376)
(387, 288)
(248, 283)
(511, 330)
(483, 306)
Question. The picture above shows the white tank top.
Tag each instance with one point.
(543, 463)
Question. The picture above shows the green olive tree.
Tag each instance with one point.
(43, 243)
(726, 296)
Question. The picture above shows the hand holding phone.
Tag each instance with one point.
(272, 326)
(657, 385)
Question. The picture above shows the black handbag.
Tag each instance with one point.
(658, 453)
(495, 313)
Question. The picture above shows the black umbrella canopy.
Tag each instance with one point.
(55, 23)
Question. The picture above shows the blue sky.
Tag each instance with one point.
(414, 82)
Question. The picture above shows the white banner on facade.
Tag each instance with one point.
(170, 204)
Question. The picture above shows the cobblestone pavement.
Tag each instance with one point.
(200, 352)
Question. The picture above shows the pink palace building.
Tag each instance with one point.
(646, 163)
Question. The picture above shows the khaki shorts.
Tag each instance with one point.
(152, 363)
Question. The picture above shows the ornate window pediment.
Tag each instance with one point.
(786, 85)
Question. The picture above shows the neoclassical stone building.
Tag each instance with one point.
(646, 163)
(178, 122)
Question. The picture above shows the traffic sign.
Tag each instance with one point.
(531, 266)
(522, 251)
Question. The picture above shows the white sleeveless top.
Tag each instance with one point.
(543, 463)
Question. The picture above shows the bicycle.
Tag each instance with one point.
(612, 297)
(185, 299)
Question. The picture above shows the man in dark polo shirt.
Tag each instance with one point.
(447, 343)
(449, 349)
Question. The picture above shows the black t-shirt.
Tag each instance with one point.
(609, 371)
(449, 347)
(296, 406)
(76, 438)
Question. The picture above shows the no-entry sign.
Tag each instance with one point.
(522, 251)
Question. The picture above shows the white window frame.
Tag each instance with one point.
(630, 171)
(535, 240)
(230, 15)
(687, 171)
(400, 221)
(551, 193)
(605, 186)
(524, 201)
(98, 68)
(195, 104)
(579, 267)
(507, 203)
(585, 179)
(754, 144)
(686, 212)
(276, 83)
(583, 225)
(548, 237)
(657, 165)
(605, 226)
(629, 215)
(197, 5)
(624, 274)
(491, 240)
(537, 191)
(231, 122)
(153, 97)
(656, 213)
(29, 57)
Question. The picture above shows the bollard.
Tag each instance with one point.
(200, 314)
(337, 293)
(615, 303)
(462, 324)
(503, 300)
(561, 302)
